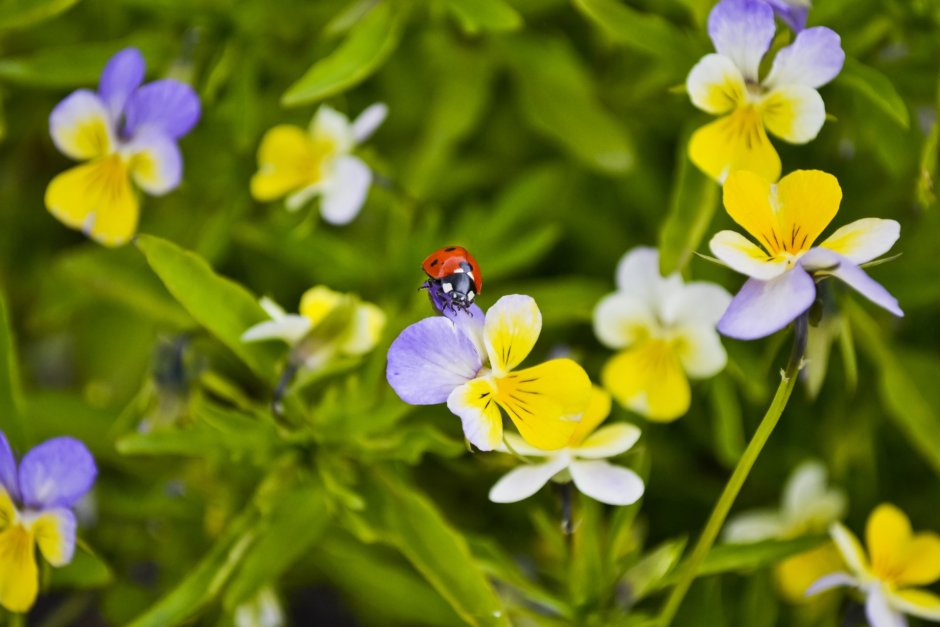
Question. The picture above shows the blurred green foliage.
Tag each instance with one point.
(548, 136)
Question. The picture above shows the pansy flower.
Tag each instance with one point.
(897, 562)
(360, 334)
(793, 13)
(302, 164)
(786, 218)
(582, 461)
(470, 364)
(785, 102)
(808, 506)
(36, 501)
(124, 132)
(664, 330)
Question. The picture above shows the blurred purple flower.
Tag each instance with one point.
(36, 501)
(126, 131)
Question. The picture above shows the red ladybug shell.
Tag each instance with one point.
(446, 261)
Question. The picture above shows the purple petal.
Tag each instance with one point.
(793, 15)
(429, 359)
(56, 473)
(764, 307)
(169, 106)
(121, 76)
(8, 469)
(813, 59)
(853, 276)
(742, 31)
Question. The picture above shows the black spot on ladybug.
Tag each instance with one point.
(434, 263)
(452, 248)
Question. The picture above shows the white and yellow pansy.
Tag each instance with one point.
(664, 330)
(581, 461)
(359, 336)
(891, 574)
(471, 365)
(808, 506)
(302, 164)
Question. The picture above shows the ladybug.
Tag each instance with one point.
(454, 277)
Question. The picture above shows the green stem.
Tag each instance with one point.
(717, 519)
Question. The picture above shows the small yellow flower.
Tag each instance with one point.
(898, 561)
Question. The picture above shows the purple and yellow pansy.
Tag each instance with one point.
(126, 133)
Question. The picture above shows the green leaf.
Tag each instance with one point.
(21, 13)
(907, 385)
(563, 300)
(77, 65)
(86, 571)
(294, 525)
(11, 396)
(207, 578)
(485, 15)
(363, 51)
(223, 307)
(216, 431)
(411, 523)
(875, 87)
(691, 209)
(558, 100)
(121, 276)
(644, 576)
(645, 32)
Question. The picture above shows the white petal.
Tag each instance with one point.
(638, 274)
(366, 330)
(696, 302)
(291, 328)
(524, 481)
(608, 441)
(482, 425)
(879, 613)
(330, 125)
(275, 311)
(345, 191)
(81, 127)
(715, 84)
(795, 113)
(621, 319)
(828, 582)
(808, 501)
(700, 350)
(607, 483)
(744, 256)
(817, 259)
(864, 240)
(849, 547)
(753, 526)
(368, 121)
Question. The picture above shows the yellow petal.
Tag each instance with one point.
(19, 576)
(474, 403)
(317, 302)
(715, 84)
(287, 161)
(742, 255)
(796, 574)
(545, 401)
(808, 201)
(735, 142)
(55, 534)
(597, 411)
(7, 510)
(920, 603)
(863, 240)
(365, 331)
(888, 536)
(96, 198)
(649, 380)
(511, 328)
(747, 198)
(922, 566)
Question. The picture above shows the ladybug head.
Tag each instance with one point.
(454, 291)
